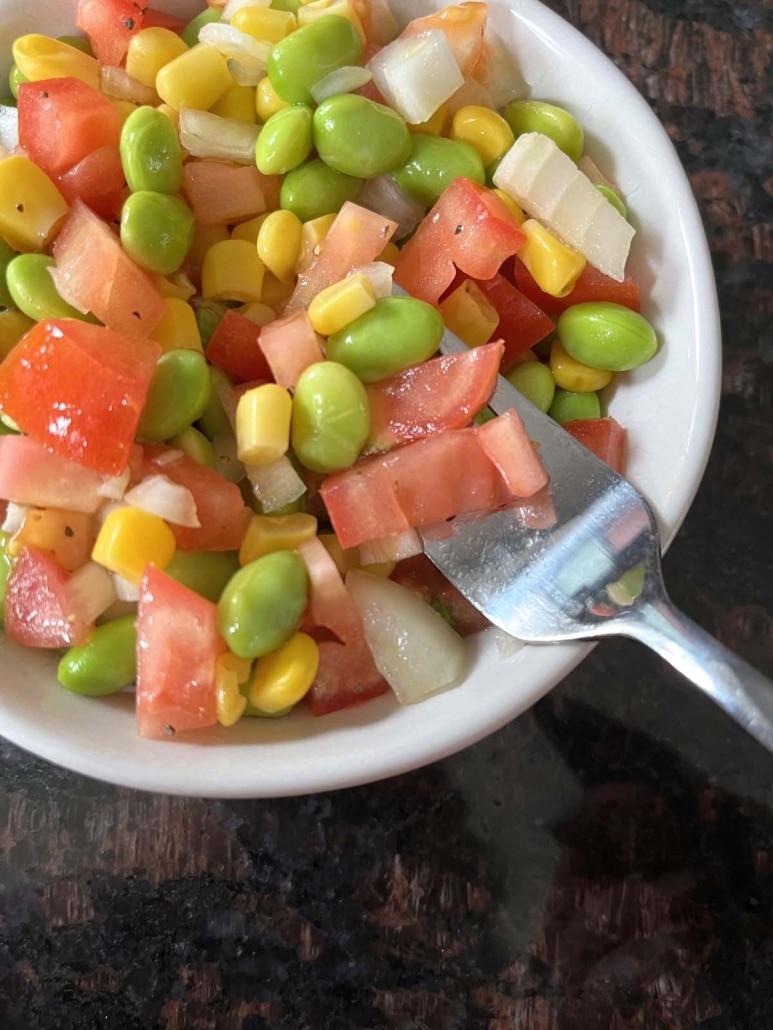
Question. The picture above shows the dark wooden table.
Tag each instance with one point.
(604, 862)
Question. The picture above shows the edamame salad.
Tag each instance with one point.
(220, 426)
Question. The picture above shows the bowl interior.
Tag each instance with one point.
(669, 408)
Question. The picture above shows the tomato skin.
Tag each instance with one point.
(290, 345)
(505, 443)
(98, 181)
(109, 24)
(445, 392)
(522, 323)
(79, 389)
(38, 610)
(469, 228)
(234, 347)
(63, 120)
(591, 285)
(177, 650)
(604, 436)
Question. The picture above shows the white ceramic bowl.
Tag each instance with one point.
(669, 407)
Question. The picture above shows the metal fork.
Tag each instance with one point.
(595, 572)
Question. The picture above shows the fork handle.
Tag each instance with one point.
(743, 692)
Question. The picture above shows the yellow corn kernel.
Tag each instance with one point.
(275, 293)
(204, 237)
(263, 424)
(237, 103)
(278, 241)
(389, 254)
(483, 129)
(31, 207)
(312, 234)
(554, 266)
(268, 533)
(573, 375)
(309, 12)
(178, 285)
(41, 57)
(339, 304)
(68, 535)
(123, 107)
(257, 312)
(470, 314)
(178, 328)
(249, 230)
(267, 100)
(435, 125)
(348, 558)
(265, 23)
(13, 325)
(232, 270)
(512, 206)
(230, 703)
(281, 679)
(149, 50)
(129, 539)
(171, 113)
(197, 78)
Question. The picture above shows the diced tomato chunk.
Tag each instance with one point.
(98, 180)
(177, 650)
(522, 323)
(604, 436)
(110, 24)
(347, 675)
(234, 347)
(591, 285)
(505, 443)
(469, 228)
(329, 602)
(290, 345)
(79, 389)
(446, 392)
(153, 19)
(63, 120)
(39, 611)
(220, 194)
(30, 474)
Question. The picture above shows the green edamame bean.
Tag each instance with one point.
(568, 406)
(311, 52)
(150, 152)
(192, 442)
(605, 335)
(434, 164)
(315, 189)
(190, 34)
(178, 395)
(205, 572)
(7, 254)
(359, 137)
(285, 141)
(262, 604)
(32, 288)
(396, 333)
(535, 381)
(331, 417)
(5, 572)
(106, 663)
(536, 116)
(612, 197)
(156, 230)
(15, 79)
(213, 420)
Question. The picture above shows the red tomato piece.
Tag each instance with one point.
(220, 194)
(234, 347)
(356, 237)
(109, 24)
(591, 285)
(290, 345)
(521, 322)
(219, 504)
(94, 273)
(98, 180)
(177, 650)
(446, 392)
(79, 389)
(63, 120)
(329, 604)
(39, 611)
(604, 436)
(469, 228)
(153, 19)
(505, 443)
(347, 675)
(30, 474)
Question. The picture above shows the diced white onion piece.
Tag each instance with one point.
(384, 197)
(232, 6)
(414, 648)
(380, 275)
(232, 42)
(391, 548)
(275, 485)
(125, 590)
(118, 84)
(208, 135)
(9, 127)
(159, 495)
(114, 487)
(417, 74)
(246, 73)
(340, 80)
(91, 591)
(548, 184)
(383, 26)
(226, 461)
(14, 518)
(499, 71)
